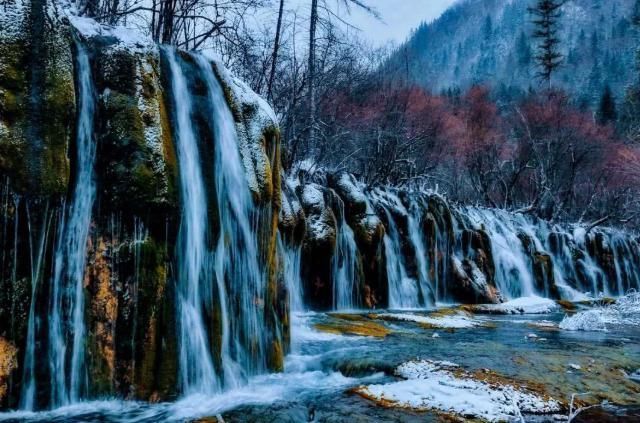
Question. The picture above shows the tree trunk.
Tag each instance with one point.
(276, 47)
(312, 72)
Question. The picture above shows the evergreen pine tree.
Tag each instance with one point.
(607, 110)
(546, 18)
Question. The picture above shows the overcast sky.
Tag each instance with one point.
(399, 17)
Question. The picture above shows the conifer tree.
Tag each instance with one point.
(546, 19)
(607, 110)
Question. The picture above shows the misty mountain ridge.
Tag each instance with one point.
(489, 42)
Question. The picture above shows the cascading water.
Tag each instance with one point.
(345, 264)
(516, 238)
(66, 318)
(513, 267)
(403, 291)
(197, 373)
(627, 272)
(27, 397)
(238, 263)
(292, 260)
(416, 237)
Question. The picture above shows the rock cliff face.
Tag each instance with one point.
(129, 274)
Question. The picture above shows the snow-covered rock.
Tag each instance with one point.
(523, 305)
(625, 311)
(351, 192)
(292, 218)
(470, 283)
(442, 386)
(453, 321)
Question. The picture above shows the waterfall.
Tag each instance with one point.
(403, 291)
(345, 264)
(197, 372)
(27, 396)
(66, 318)
(292, 260)
(416, 237)
(626, 262)
(238, 261)
(516, 238)
(513, 268)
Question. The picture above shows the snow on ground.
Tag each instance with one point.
(523, 305)
(127, 37)
(625, 311)
(454, 321)
(442, 386)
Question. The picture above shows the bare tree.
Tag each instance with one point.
(276, 47)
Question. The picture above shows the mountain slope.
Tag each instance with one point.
(489, 42)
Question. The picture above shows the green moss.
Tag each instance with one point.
(13, 92)
(12, 66)
(10, 106)
(58, 127)
(170, 160)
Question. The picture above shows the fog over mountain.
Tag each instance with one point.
(489, 42)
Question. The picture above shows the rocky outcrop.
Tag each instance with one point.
(318, 246)
(369, 232)
(136, 154)
(129, 276)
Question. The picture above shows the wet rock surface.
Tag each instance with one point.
(129, 275)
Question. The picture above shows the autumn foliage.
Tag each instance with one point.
(540, 155)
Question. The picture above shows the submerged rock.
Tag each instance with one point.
(345, 324)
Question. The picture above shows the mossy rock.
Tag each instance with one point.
(543, 275)
(136, 160)
(37, 108)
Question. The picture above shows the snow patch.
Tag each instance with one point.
(456, 321)
(13, 21)
(625, 311)
(441, 386)
(128, 38)
(313, 197)
(523, 305)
